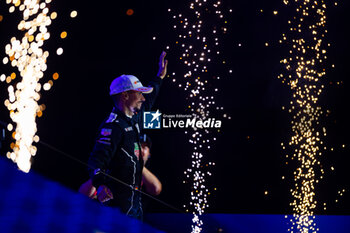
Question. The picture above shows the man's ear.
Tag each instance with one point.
(124, 95)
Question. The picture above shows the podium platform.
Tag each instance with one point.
(32, 203)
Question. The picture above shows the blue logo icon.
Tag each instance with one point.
(151, 120)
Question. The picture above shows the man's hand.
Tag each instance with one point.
(162, 66)
(104, 194)
(87, 189)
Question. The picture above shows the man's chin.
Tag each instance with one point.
(136, 110)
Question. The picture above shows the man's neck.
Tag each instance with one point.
(125, 110)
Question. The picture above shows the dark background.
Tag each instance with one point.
(104, 42)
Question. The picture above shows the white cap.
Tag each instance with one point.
(127, 83)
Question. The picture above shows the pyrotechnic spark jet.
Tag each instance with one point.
(27, 55)
(305, 69)
(198, 46)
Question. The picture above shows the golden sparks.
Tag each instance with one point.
(304, 71)
(55, 76)
(63, 35)
(53, 15)
(28, 56)
(73, 14)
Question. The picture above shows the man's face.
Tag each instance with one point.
(145, 151)
(134, 100)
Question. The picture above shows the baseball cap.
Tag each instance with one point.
(126, 83)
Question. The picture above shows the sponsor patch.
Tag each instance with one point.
(128, 129)
(137, 150)
(106, 132)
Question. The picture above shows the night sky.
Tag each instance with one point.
(104, 42)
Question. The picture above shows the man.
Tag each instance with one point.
(150, 182)
(117, 148)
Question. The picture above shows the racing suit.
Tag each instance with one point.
(117, 151)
